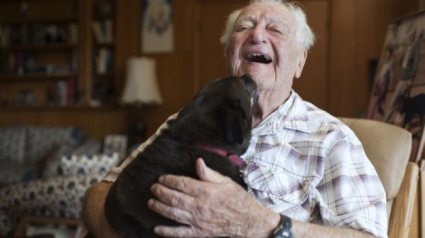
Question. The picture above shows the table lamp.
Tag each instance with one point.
(141, 88)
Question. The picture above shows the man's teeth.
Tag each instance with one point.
(255, 57)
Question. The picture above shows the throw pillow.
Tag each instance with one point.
(53, 159)
(87, 164)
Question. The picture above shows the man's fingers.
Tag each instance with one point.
(207, 174)
(171, 197)
(172, 213)
(181, 231)
(183, 184)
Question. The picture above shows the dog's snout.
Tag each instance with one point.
(250, 86)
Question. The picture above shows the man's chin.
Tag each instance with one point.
(259, 76)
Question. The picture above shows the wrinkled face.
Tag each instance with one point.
(263, 44)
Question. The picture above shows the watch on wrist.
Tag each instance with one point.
(285, 228)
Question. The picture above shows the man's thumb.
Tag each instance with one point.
(207, 174)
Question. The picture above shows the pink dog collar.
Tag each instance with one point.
(234, 158)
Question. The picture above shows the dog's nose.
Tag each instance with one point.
(246, 76)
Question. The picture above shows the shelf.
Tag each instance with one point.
(105, 75)
(67, 108)
(34, 77)
(104, 17)
(49, 47)
(99, 45)
(38, 21)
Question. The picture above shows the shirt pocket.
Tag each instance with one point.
(280, 174)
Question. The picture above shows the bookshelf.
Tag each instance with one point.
(103, 26)
(58, 53)
(39, 52)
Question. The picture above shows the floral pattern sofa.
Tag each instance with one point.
(45, 171)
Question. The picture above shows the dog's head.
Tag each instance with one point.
(219, 115)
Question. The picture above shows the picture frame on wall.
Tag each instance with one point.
(157, 26)
(398, 91)
(47, 227)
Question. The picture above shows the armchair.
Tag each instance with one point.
(388, 148)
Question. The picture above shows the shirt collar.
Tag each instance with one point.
(291, 115)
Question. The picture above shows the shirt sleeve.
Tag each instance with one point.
(115, 171)
(351, 193)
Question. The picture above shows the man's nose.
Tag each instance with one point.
(258, 35)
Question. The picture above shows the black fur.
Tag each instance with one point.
(218, 116)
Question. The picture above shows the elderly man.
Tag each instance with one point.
(307, 173)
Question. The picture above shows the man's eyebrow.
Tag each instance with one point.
(270, 19)
(246, 18)
(277, 20)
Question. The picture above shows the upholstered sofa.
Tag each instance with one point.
(45, 171)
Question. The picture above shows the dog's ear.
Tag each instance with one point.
(233, 123)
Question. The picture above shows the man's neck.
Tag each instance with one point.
(266, 105)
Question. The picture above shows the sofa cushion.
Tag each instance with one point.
(12, 145)
(41, 140)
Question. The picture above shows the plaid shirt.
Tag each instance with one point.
(309, 166)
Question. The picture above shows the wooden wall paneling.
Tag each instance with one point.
(174, 69)
(211, 18)
(357, 36)
(343, 57)
(95, 122)
(312, 86)
(127, 36)
(403, 8)
(85, 50)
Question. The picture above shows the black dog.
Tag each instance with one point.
(218, 120)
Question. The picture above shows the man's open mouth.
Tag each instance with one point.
(258, 58)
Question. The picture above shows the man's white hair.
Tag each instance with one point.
(304, 34)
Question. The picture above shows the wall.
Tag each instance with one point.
(175, 69)
(357, 35)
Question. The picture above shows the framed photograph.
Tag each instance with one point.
(157, 26)
(115, 143)
(398, 92)
(46, 227)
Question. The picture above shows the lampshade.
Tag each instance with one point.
(141, 82)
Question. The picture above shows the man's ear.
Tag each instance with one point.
(302, 57)
(233, 124)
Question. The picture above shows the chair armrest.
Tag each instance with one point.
(401, 213)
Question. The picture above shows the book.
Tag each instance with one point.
(98, 33)
(109, 31)
(73, 33)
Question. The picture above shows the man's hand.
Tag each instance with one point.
(212, 206)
